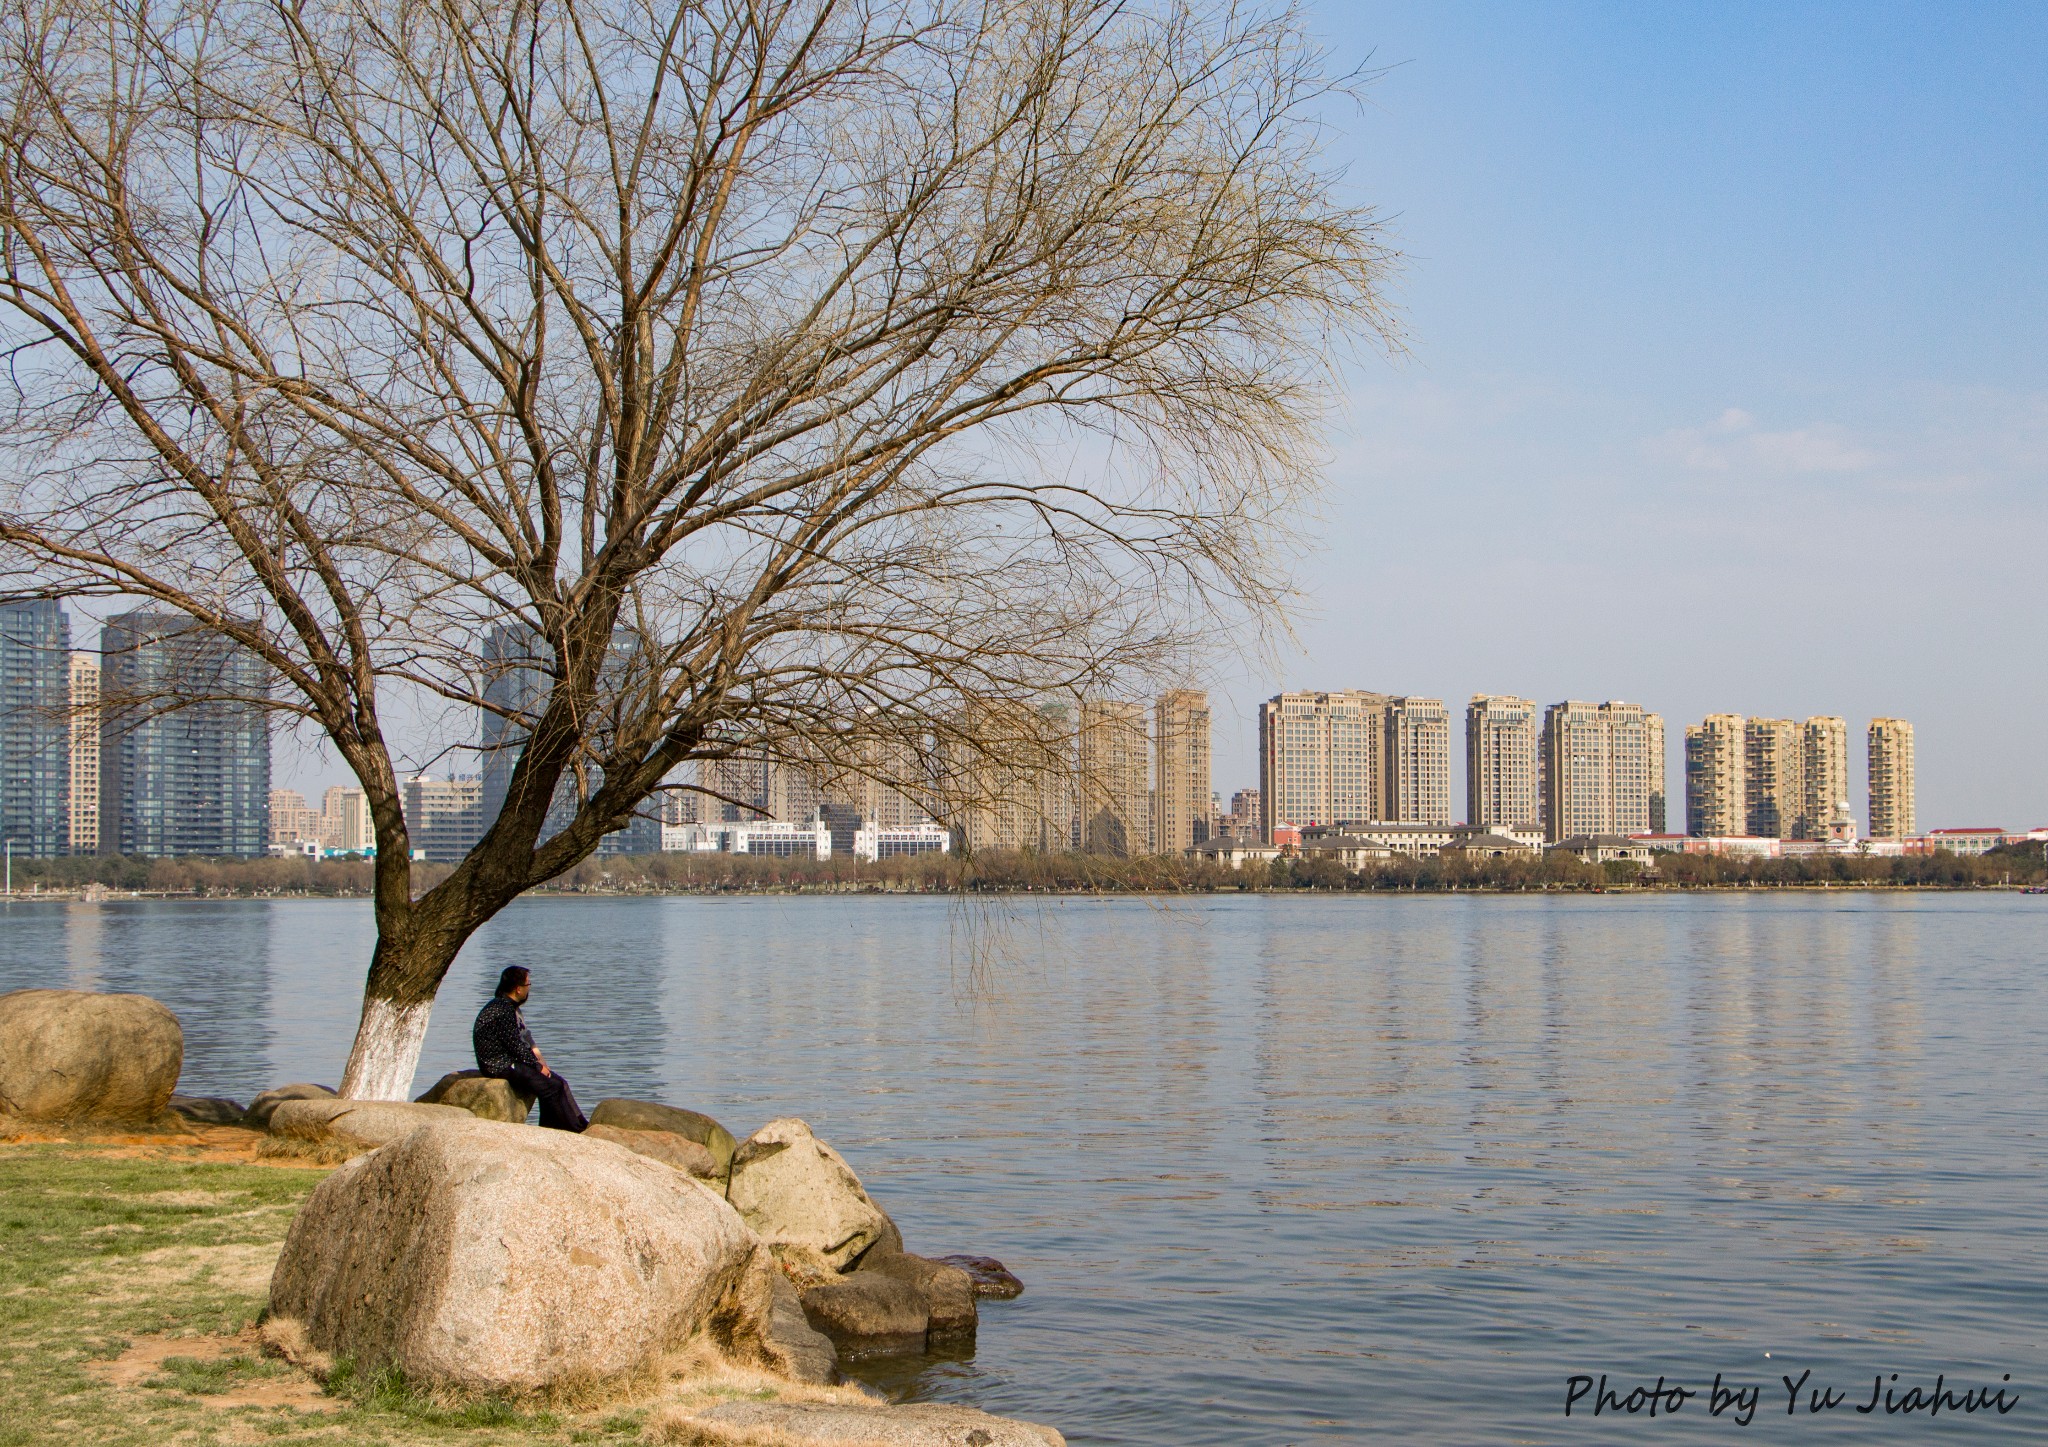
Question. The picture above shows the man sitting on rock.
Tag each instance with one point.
(505, 1051)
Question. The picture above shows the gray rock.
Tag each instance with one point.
(925, 1424)
(261, 1107)
(476, 1256)
(990, 1276)
(483, 1096)
(71, 1055)
(946, 1291)
(797, 1191)
(869, 1313)
(209, 1110)
(650, 1115)
(658, 1145)
(365, 1123)
(807, 1354)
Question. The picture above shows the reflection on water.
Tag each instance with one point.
(1294, 1170)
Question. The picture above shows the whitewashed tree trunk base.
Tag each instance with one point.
(387, 1050)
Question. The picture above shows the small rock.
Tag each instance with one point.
(209, 1110)
(806, 1354)
(658, 1145)
(261, 1107)
(652, 1116)
(477, 1256)
(366, 1123)
(924, 1424)
(73, 1055)
(797, 1191)
(483, 1096)
(990, 1276)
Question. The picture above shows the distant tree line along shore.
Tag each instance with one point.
(1033, 872)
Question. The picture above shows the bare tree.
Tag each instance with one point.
(777, 375)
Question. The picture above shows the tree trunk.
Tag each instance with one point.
(398, 998)
(387, 1049)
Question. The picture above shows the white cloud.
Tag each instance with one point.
(1734, 442)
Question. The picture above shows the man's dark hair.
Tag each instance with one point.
(511, 979)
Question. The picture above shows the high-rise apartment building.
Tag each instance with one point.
(1008, 777)
(1111, 778)
(1892, 815)
(1601, 768)
(1824, 743)
(292, 819)
(1416, 759)
(443, 817)
(345, 820)
(84, 805)
(1180, 740)
(180, 778)
(1501, 735)
(517, 683)
(1319, 758)
(1716, 788)
(35, 748)
(1774, 778)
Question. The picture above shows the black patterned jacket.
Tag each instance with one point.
(503, 1043)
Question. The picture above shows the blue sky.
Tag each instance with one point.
(1727, 377)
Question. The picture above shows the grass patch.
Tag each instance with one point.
(214, 1376)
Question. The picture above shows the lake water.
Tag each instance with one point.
(1295, 1170)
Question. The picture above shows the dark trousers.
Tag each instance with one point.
(558, 1107)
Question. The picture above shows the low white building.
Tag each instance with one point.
(1496, 841)
(1366, 839)
(874, 841)
(1236, 853)
(772, 837)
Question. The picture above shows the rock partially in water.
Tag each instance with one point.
(990, 1276)
(209, 1110)
(924, 1424)
(869, 1313)
(893, 1302)
(649, 1115)
(483, 1096)
(366, 1124)
(480, 1256)
(659, 1145)
(261, 1107)
(798, 1192)
(72, 1055)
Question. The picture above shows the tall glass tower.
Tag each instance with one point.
(35, 733)
(184, 742)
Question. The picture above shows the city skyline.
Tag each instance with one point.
(1147, 771)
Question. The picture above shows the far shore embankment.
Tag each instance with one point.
(1065, 874)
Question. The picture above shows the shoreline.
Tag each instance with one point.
(830, 890)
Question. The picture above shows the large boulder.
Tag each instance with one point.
(483, 1257)
(483, 1096)
(799, 1193)
(70, 1055)
(845, 1424)
(650, 1115)
(366, 1124)
(258, 1115)
(658, 1145)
